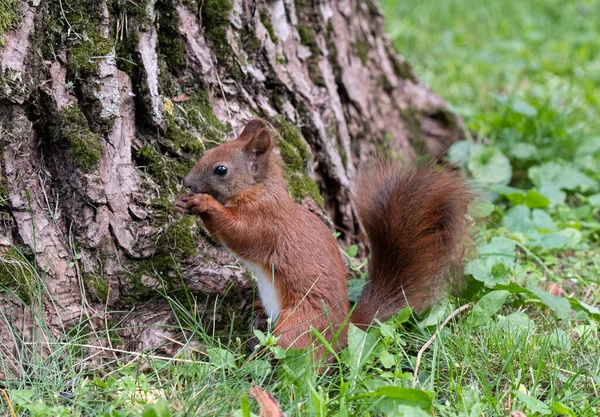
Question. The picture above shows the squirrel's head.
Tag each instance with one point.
(234, 166)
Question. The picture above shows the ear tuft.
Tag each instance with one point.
(260, 143)
(253, 126)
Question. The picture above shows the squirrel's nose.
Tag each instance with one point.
(187, 181)
(190, 181)
(193, 182)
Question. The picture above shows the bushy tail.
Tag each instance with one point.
(416, 220)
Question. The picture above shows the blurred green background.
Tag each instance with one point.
(518, 71)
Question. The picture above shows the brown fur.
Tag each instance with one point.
(416, 221)
(415, 218)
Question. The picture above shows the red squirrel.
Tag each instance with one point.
(415, 217)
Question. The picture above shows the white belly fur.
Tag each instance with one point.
(266, 287)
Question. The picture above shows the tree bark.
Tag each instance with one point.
(105, 105)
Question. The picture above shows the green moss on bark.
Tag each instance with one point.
(266, 21)
(402, 68)
(126, 38)
(179, 238)
(164, 170)
(84, 145)
(215, 19)
(171, 45)
(200, 113)
(301, 185)
(3, 192)
(77, 29)
(9, 17)
(413, 124)
(148, 157)
(11, 85)
(96, 286)
(250, 43)
(293, 149)
(196, 115)
(362, 49)
(307, 38)
(296, 157)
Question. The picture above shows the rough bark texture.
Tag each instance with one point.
(105, 105)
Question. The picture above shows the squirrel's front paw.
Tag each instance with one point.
(180, 204)
(194, 203)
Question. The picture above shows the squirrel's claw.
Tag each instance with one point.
(181, 204)
(194, 203)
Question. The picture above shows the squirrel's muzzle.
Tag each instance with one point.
(193, 182)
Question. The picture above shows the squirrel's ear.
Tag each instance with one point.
(258, 149)
(260, 144)
(252, 127)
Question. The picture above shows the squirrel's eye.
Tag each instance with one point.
(220, 170)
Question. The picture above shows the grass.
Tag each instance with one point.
(525, 77)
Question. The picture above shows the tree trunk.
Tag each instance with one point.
(105, 105)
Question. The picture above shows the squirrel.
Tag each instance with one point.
(415, 218)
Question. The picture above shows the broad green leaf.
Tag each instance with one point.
(542, 220)
(515, 321)
(355, 287)
(524, 151)
(489, 271)
(505, 189)
(159, 409)
(221, 358)
(352, 251)
(21, 397)
(588, 146)
(278, 352)
(516, 198)
(575, 304)
(487, 306)
(565, 177)
(523, 107)
(553, 193)
(260, 335)
(560, 339)
(437, 314)
(574, 236)
(579, 305)
(361, 346)
(387, 359)
(403, 315)
(550, 241)
(297, 366)
(405, 396)
(490, 166)
(518, 220)
(562, 409)
(407, 411)
(499, 249)
(459, 153)
(532, 403)
(559, 305)
(594, 200)
(477, 409)
(481, 208)
(260, 368)
(533, 199)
